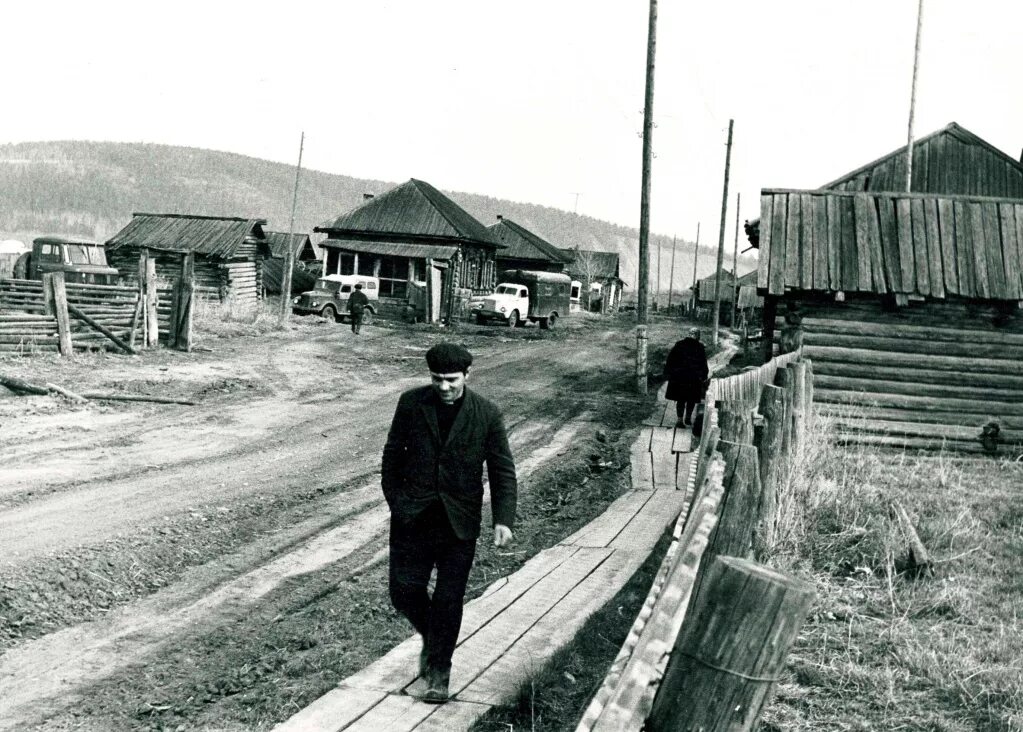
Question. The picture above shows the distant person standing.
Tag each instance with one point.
(432, 478)
(357, 303)
(687, 373)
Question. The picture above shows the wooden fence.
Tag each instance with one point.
(706, 648)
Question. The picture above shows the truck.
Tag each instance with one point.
(329, 297)
(521, 295)
(81, 260)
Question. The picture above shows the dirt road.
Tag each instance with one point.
(124, 528)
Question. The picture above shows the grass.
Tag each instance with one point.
(229, 319)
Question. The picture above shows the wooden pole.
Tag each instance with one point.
(185, 302)
(657, 287)
(721, 239)
(152, 304)
(102, 329)
(136, 398)
(22, 387)
(53, 284)
(736, 422)
(644, 202)
(769, 446)
(142, 302)
(798, 403)
(696, 261)
(735, 262)
(671, 273)
(783, 378)
(731, 650)
(912, 97)
(919, 560)
(289, 254)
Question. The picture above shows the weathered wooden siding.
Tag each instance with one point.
(910, 244)
(923, 375)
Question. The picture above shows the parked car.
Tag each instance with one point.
(329, 297)
(81, 260)
(539, 297)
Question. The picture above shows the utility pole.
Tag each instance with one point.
(644, 205)
(912, 97)
(575, 208)
(671, 273)
(721, 239)
(657, 288)
(735, 261)
(696, 262)
(289, 253)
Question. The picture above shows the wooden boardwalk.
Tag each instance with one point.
(511, 631)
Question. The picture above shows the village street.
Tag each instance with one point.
(124, 528)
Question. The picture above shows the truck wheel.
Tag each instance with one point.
(548, 322)
(367, 316)
(513, 319)
(329, 312)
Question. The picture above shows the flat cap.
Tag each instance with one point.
(447, 358)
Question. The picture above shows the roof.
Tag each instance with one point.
(905, 243)
(278, 243)
(394, 249)
(214, 236)
(413, 209)
(602, 265)
(524, 244)
(750, 278)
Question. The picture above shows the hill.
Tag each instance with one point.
(91, 189)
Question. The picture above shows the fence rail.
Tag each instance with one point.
(652, 683)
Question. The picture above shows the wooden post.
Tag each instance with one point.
(53, 288)
(643, 276)
(671, 273)
(641, 363)
(152, 304)
(186, 297)
(735, 263)
(735, 419)
(721, 240)
(696, 262)
(289, 252)
(767, 326)
(798, 403)
(769, 446)
(784, 379)
(731, 650)
(142, 301)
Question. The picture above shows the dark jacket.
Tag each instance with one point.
(417, 469)
(686, 371)
(357, 301)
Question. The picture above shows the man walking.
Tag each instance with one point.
(357, 303)
(432, 478)
(686, 371)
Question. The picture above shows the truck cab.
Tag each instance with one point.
(80, 260)
(524, 295)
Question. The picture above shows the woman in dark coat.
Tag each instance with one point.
(687, 374)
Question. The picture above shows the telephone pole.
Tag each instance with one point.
(721, 239)
(644, 206)
(735, 261)
(657, 287)
(671, 273)
(696, 262)
(289, 253)
(912, 97)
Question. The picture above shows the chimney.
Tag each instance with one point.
(500, 217)
(367, 196)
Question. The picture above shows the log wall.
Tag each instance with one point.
(926, 375)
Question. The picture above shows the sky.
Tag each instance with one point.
(531, 100)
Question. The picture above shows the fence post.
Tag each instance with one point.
(735, 419)
(769, 444)
(783, 378)
(183, 303)
(732, 647)
(55, 296)
(798, 371)
(152, 303)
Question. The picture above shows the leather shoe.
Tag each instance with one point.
(424, 656)
(437, 686)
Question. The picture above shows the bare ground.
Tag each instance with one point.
(132, 535)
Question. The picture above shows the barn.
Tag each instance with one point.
(908, 304)
(308, 262)
(525, 250)
(420, 243)
(229, 252)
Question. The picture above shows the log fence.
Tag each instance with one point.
(711, 638)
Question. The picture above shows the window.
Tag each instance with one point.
(523, 292)
(49, 253)
(371, 285)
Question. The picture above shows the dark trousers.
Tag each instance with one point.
(356, 318)
(417, 547)
(684, 410)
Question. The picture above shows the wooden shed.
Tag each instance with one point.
(416, 240)
(228, 251)
(308, 262)
(526, 250)
(599, 274)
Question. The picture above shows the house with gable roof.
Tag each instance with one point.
(526, 250)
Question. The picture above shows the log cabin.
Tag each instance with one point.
(308, 262)
(525, 250)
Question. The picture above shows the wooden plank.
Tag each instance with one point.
(333, 711)
(850, 262)
(1018, 212)
(602, 530)
(919, 375)
(934, 263)
(964, 248)
(455, 715)
(642, 469)
(993, 247)
(862, 205)
(947, 232)
(904, 225)
(664, 460)
(936, 164)
(890, 243)
(682, 441)
(953, 431)
(1014, 424)
(834, 244)
(981, 276)
(764, 258)
(776, 284)
(1011, 249)
(877, 263)
(919, 175)
(920, 247)
(395, 713)
(906, 345)
(919, 403)
(941, 362)
(819, 213)
(793, 244)
(806, 246)
(650, 522)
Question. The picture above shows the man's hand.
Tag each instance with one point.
(502, 535)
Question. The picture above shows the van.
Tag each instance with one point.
(329, 297)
